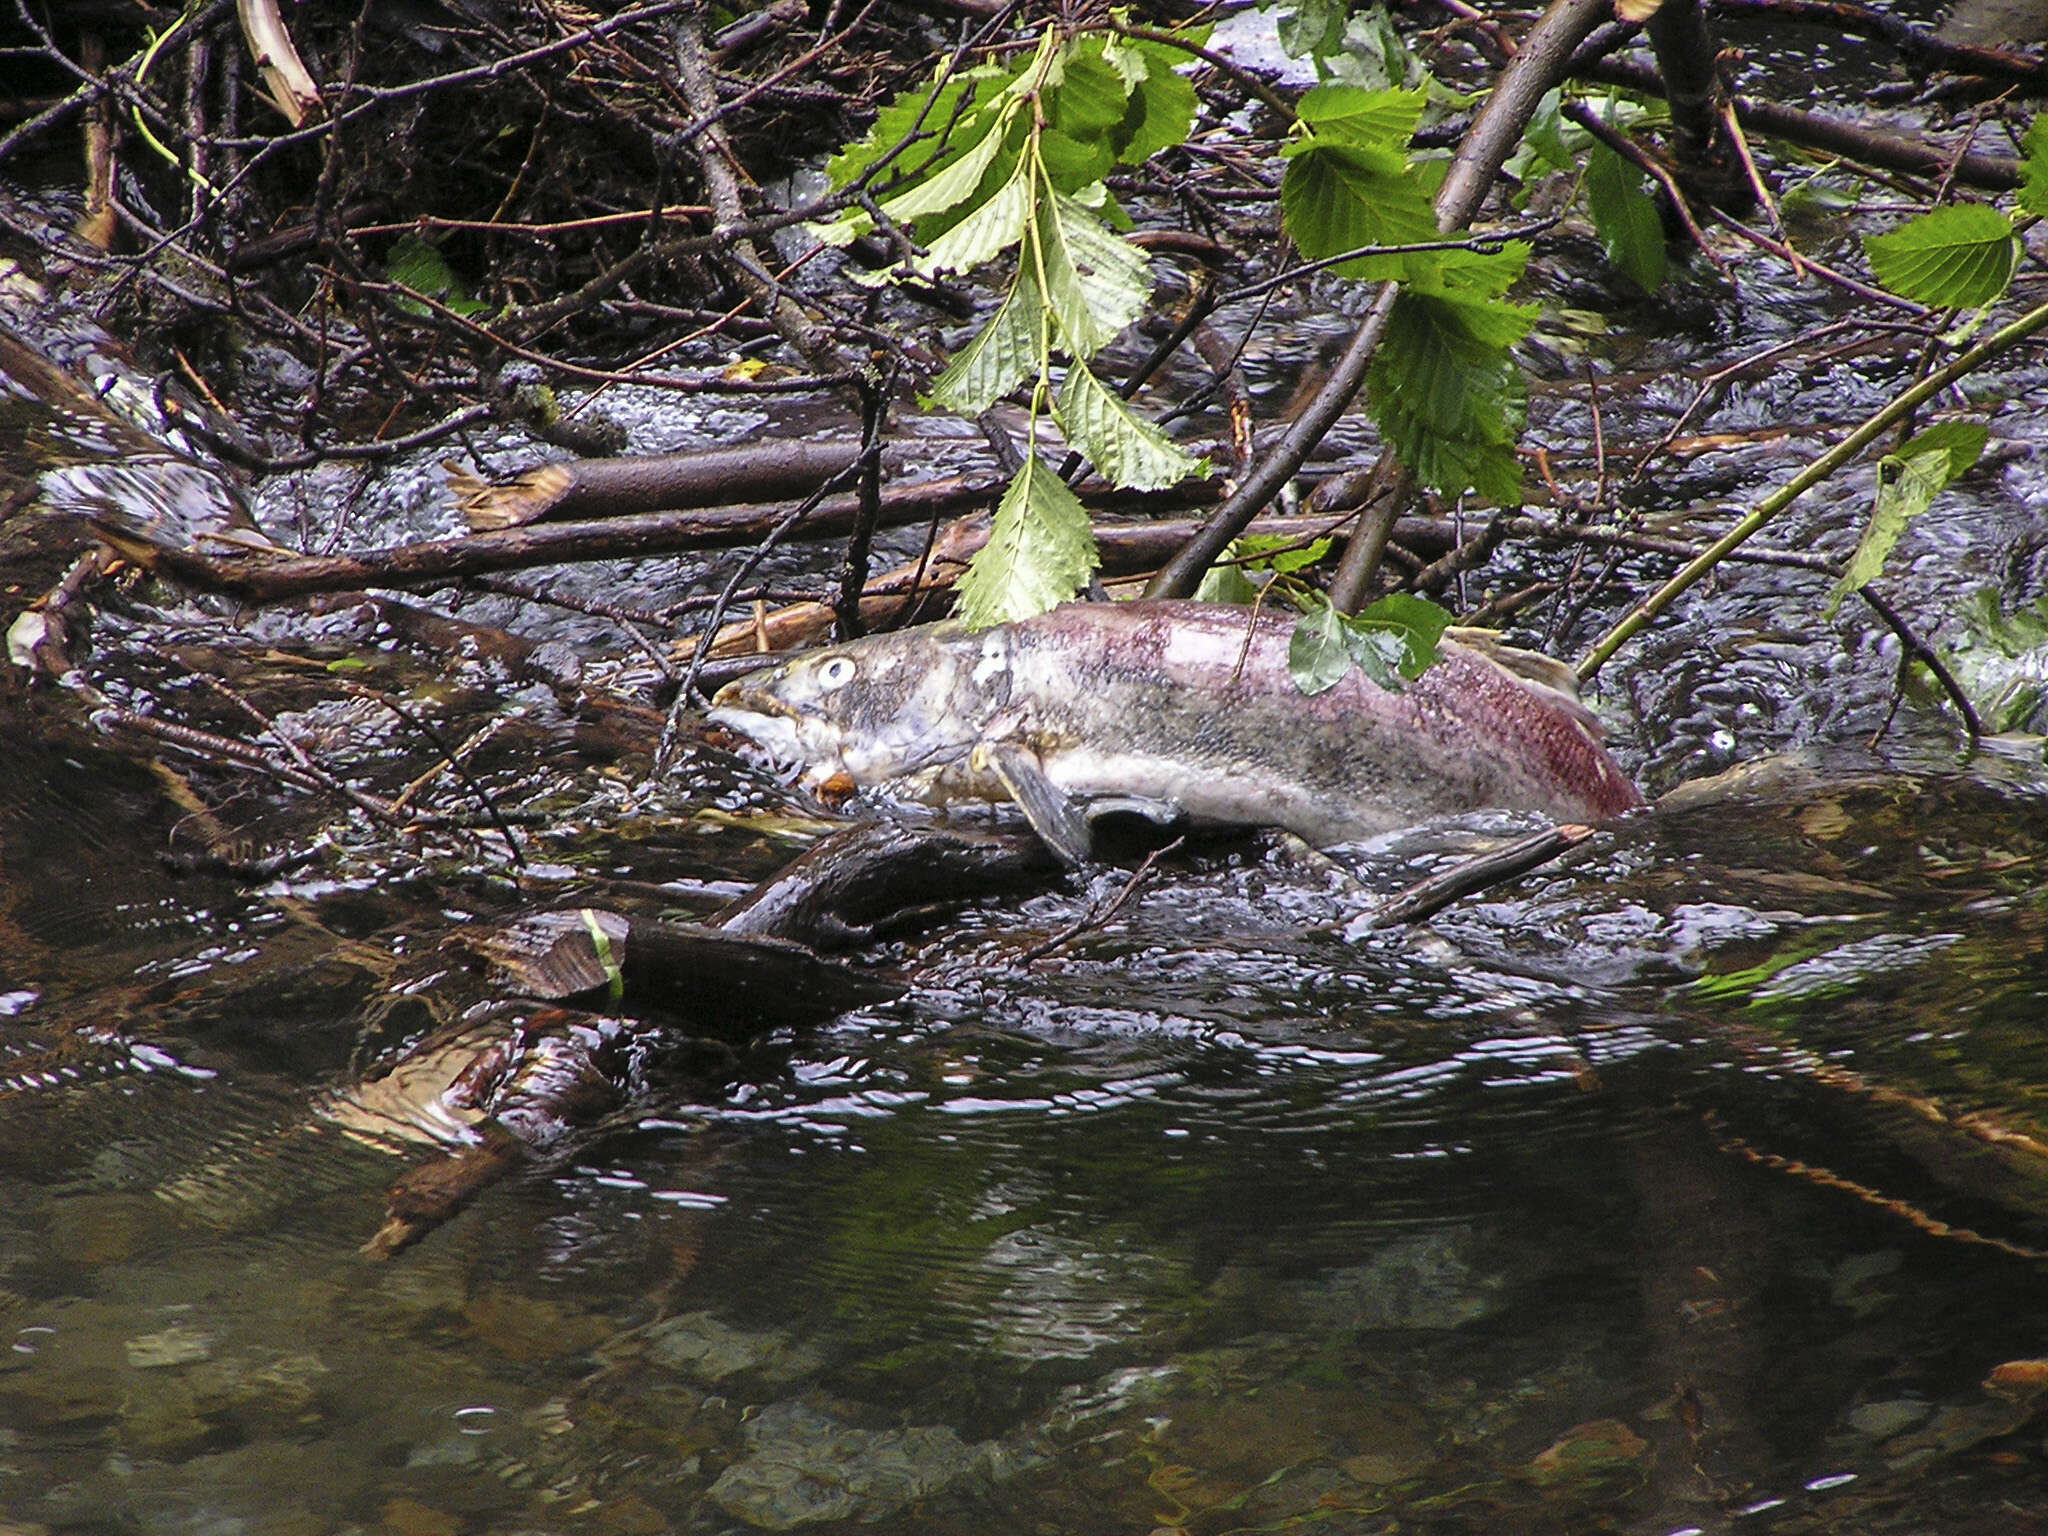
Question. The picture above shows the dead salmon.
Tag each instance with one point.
(1178, 710)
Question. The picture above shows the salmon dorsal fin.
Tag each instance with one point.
(1530, 666)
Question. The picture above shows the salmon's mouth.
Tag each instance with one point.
(763, 720)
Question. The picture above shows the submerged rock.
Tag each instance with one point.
(804, 1467)
(707, 1350)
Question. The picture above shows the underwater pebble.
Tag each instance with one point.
(179, 1344)
(804, 1466)
(1880, 1421)
(707, 1350)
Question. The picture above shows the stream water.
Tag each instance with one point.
(1694, 1183)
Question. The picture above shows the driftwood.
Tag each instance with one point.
(731, 981)
(854, 886)
(658, 482)
(266, 575)
(1991, 173)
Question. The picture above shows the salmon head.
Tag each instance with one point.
(898, 709)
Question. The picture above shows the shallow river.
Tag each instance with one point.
(1697, 1182)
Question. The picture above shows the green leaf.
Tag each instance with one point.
(896, 122)
(1226, 582)
(1162, 103)
(1958, 257)
(959, 178)
(990, 229)
(1339, 197)
(1964, 442)
(1415, 622)
(1626, 217)
(1445, 391)
(2033, 194)
(1375, 653)
(1087, 97)
(1072, 163)
(1003, 355)
(1545, 134)
(1313, 29)
(1907, 483)
(1279, 553)
(1127, 450)
(1358, 117)
(421, 267)
(1483, 274)
(1393, 642)
(1318, 654)
(1095, 283)
(1040, 550)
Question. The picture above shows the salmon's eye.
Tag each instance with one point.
(836, 672)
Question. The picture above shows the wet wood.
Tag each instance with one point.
(856, 885)
(276, 57)
(732, 981)
(265, 575)
(1891, 151)
(1708, 166)
(1432, 895)
(603, 488)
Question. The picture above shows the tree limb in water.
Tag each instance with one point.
(1428, 896)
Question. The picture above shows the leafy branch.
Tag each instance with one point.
(1017, 167)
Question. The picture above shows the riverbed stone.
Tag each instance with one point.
(95, 1230)
(1428, 1281)
(1880, 1421)
(179, 1344)
(705, 1349)
(531, 1328)
(804, 1466)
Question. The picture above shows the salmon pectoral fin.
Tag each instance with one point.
(1055, 818)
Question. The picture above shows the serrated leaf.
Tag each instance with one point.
(989, 230)
(1963, 441)
(1446, 361)
(1280, 553)
(1095, 283)
(1040, 551)
(1006, 351)
(1907, 483)
(958, 178)
(1318, 654)
(1125, 449)
(1958, 257)
(1445, 391)
(2033, 194)
(1415, 622)
(1336, 198)
(1626, 217)
(896, 122)
(1087, 97)
(1483, 274)
(1161, 112)
(1071, 163)
(1359, 117)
